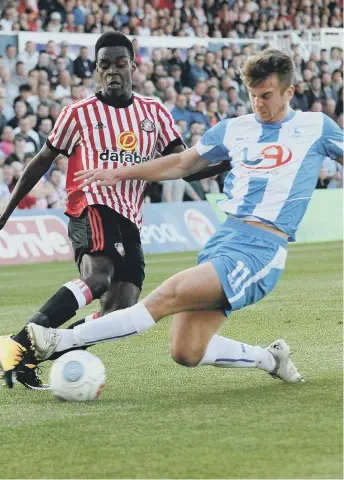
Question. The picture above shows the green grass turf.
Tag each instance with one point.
(156, 419)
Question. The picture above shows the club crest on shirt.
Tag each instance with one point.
(147, 125)
(120, 249)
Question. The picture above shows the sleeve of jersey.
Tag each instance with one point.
(332, 139)
(65, 134)
(169, 137)
(211, 145)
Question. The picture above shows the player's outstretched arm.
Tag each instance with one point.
(177, 165)
(207, 172)
(35, 170)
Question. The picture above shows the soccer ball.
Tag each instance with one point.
(77, 376)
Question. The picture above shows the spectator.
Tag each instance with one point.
(63, 89)
(55, 22)
(176, 59)
(337, 79)
(8, 177)
(170, 98)
(176, 74)
(182, 127)
(315, 92)
(30, 55)
(174, 190)
(24, 94)
(64, 54)
(300, 98)
(223, 110)
(42, 112)
(336, 58)
(11, 91)
(6, 144)
(209, 65)
(3, 118)
(20, 112)
(4, 191)
(333, 173)
(201, 115)
(233, 101)
(330, 108)
(328, 89)
(197, 71)
(10, 58)
(6, 23)
(61, 163)
(43, 96)
(82, 66)
(76, 93)
(6, 111)
(19, 77)
(55, 194)
(31, 137)
(44, 64)
(240, 110)
(44, 129)
(316, 106)
(19, 151)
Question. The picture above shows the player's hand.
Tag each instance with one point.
(101, 177)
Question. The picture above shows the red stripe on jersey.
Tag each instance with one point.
(92, 142)
(110, 122)
(94, 230)
(88, 151)
(138, 132)
(103, 147)
(144, 152)
(100, 229)
(122, 184)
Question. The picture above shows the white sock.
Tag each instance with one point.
(110, 327)
(227, 353)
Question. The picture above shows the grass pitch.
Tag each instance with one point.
(156, 419)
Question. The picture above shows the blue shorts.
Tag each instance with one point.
(248, 260)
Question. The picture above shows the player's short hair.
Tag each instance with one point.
(114, 39)
(271, 61)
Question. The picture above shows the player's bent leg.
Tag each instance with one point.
(190, 334)
(193, 342)
(197, 288)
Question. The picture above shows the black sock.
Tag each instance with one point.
(60, 308)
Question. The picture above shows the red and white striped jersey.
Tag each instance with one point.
(94, 134)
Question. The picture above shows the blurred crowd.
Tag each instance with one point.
(200, 87)
(183, 18)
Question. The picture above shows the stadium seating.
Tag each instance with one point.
(196, 71)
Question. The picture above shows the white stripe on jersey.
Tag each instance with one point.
(280, 184)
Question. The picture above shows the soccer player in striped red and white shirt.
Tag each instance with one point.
(113, 128)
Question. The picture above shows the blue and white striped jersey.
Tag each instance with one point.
(275, 165)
